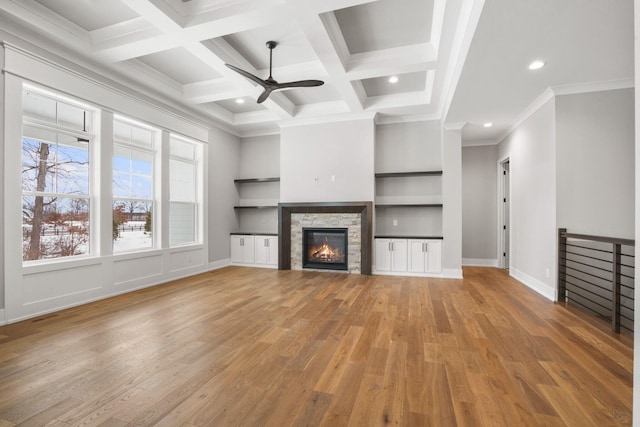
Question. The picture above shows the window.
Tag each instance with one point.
(184, 192)
(56, 196)
(134, 152)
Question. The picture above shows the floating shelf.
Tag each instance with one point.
(409, 205)
(256, 207)
(406, 174)
(248, 180)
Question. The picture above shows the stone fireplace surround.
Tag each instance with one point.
(325, 214)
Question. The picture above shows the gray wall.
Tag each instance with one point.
(2, 275)
(405, 147)
(595, 163)
(531, 149)
(452, 203)
(311, 154)
(260, 157)
(223, 168)
(479, 205)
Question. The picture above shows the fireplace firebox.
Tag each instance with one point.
(325, 248)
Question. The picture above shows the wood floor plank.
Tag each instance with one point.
(255, 347)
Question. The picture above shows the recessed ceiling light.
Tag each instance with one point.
(536, 65)
(239, 101)
(393, 79)
(488, 124)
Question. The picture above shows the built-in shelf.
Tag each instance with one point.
(249, 180)
(249, 233)
(407, 174)
(408, 205)
(256, 207)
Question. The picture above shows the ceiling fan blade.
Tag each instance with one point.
(301, 83)
(265, 94)
(247, 75)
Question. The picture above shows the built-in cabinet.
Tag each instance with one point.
(408, 256)
(391, 255)
(254, 250)
(266, 250)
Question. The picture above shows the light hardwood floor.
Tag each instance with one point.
(256, 347)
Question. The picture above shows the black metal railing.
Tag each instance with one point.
(597, 274)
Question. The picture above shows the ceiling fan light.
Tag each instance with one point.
(393, 79)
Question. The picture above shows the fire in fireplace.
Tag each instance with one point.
(324, 248)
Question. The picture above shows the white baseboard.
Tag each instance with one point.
(452, 273)
(479, 262)
(3, 319)
(215, 265)
(405, 274)
(534, 284)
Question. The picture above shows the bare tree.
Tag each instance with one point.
(37, 168)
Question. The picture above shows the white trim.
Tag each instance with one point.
(241, 264)
(452, 273)
(500, 216)
(479, 262)
(345, 117)
(592, 87)
(216, 265)
(540, 101)
(468, 19)
(406, 274)
(164, 280)
(3, 319)
(479, 143)
(534, 284)
(385, 119)
(456, 126)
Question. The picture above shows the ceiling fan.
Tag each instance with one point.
(270, 84)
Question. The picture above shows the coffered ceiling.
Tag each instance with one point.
(179, 47)
(460, 61)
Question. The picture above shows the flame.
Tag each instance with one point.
(325, 253)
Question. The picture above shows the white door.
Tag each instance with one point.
(505, 214)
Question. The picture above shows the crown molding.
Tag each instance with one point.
(574, 89)
(347, 117)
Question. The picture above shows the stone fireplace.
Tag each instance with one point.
(352, 219)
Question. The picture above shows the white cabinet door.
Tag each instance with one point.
(261, 254)
(425, 256)
(391, 255)
(399, 255)
(434, 256)
(383, 254)
(266, 250)
(236, 249)
(242, 250)
(272, 250)
(417, 258)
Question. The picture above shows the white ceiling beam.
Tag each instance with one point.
(383, 102)
(211, 91)
(255, 117)
(321, 39)
(41, 18)
(131, 30)
(158, 13)
(322, 6)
